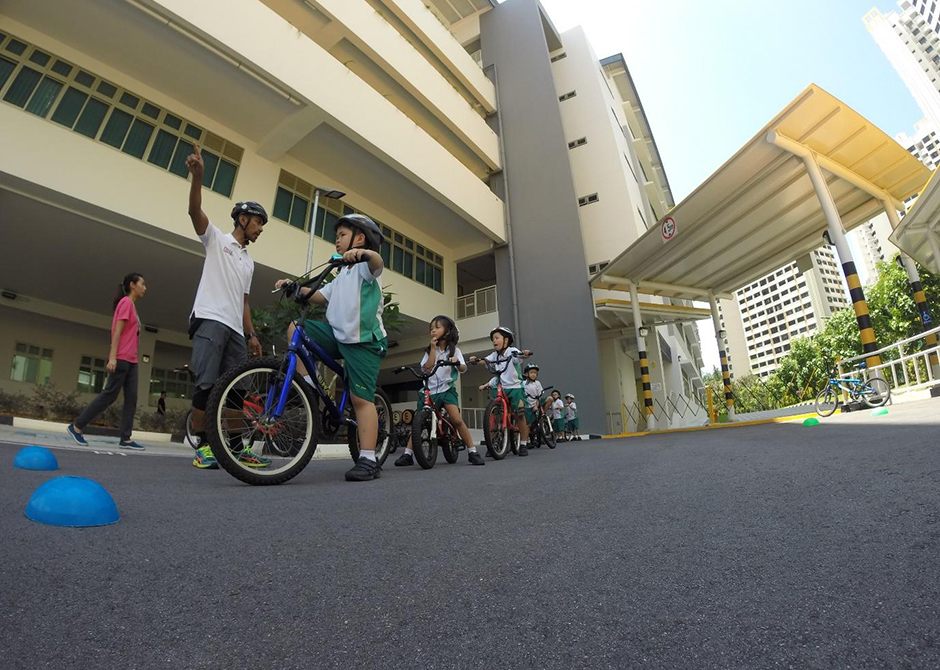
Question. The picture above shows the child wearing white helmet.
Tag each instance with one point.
(571, 413)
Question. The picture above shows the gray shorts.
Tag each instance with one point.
(216, 350)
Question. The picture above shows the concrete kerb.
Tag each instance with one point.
(731, 424)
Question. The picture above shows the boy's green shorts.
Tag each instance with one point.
(573, 424)
(448, 397)
(531, 415)
(515, 396)
(362, 361)
(559, 425)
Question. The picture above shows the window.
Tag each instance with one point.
(92, 374)
(176, 384)
(557, 58)
(630, 165)
(51, 88)
(293, 200)
(597, 267)
(31, 363)
(588, 200)
(567, 96)
(580, 142)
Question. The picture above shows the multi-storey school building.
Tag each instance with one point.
(504, 160)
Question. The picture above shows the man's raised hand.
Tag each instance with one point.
(195, 164)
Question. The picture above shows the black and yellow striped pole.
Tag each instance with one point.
(917, 289)
(725, 370)
(648, 410)
(836, 237)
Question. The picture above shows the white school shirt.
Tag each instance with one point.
(571, 411)
(444, 378)
(512, 375)
(557, 408)
(354, 305)
(226, 279)
(532, 389)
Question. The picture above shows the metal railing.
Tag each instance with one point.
(903, 371)
(473, 417)
(481, 301)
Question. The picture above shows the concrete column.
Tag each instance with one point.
(148, 344)
(644, 360)
(933, 241)
(837, 237)
(725, 372)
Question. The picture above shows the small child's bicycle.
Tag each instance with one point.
(430, 426)
(875, 392)
(541, 431)
(291, 416)
(499, 420)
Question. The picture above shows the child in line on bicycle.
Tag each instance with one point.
(533, 391)
(502, 339)
(571, 414)
(558, 410)
(443, 384)
(354, 330)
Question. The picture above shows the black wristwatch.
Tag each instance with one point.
(251, 335)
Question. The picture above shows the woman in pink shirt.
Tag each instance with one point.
(122, 364)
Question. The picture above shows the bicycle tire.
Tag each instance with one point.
(424, 447)
(383, 407)
(825, 397)
(493, 432)
(190, 431)
(547, 434)
(214, 418)
(880, 392)
(450, 446)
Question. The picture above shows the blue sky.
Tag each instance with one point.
(711, 73)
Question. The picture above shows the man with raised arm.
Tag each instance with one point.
(220, 322)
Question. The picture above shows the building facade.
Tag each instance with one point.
(910, 39)
(446, 123)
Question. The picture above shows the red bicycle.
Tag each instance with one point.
(430, 426)
(499, 419)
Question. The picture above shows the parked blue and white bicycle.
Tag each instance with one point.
(874, 392)
(294, 416)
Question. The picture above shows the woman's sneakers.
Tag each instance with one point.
(78, 437)
(130, 444)
(474, 458)
(364, 470)
(204, 459)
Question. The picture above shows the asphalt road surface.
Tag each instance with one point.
(772, 546)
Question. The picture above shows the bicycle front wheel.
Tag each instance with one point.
(827, 401)
(249, 441)
(191, 431)
(547, 433)
(424, 446)
(494, 431)
(875, 392)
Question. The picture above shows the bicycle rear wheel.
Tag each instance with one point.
(494, 432)
(191, 431)
(383, 408)
(547, 433)
(827, 401)
(234, 426)
(424, 446)
(875, 392)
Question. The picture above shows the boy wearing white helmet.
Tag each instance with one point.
(503, 349)
(571, 413)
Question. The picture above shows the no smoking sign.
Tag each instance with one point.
(668, 228)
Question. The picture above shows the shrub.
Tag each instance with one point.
(14, 403)
(51, 403)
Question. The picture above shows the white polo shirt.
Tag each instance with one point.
(354, 305)
(532, 389)
(512, 375)
(226, 278)
(444, 378)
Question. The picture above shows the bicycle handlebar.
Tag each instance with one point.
(492, 365)
(293, 289)
(425, 375)
(536, 397)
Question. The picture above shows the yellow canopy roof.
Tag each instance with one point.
(759, 211)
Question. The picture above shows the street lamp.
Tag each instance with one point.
(327, 193)
(722, 334)
(644, 331)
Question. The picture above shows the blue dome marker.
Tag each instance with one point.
(74, 502)
(35, 458)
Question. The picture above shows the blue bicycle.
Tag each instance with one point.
(875, 392)
(266, 404)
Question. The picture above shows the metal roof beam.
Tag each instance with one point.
(656, 286)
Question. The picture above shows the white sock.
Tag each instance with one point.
(368, 453)
(522, 443)
(308, 380)
(473, 450)
(409, 451)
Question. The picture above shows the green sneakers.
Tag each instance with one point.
(204, 459)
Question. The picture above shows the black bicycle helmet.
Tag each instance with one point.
(530, 366)
(250, 208)
(505, 332)
(453, 326)
(363, 224)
